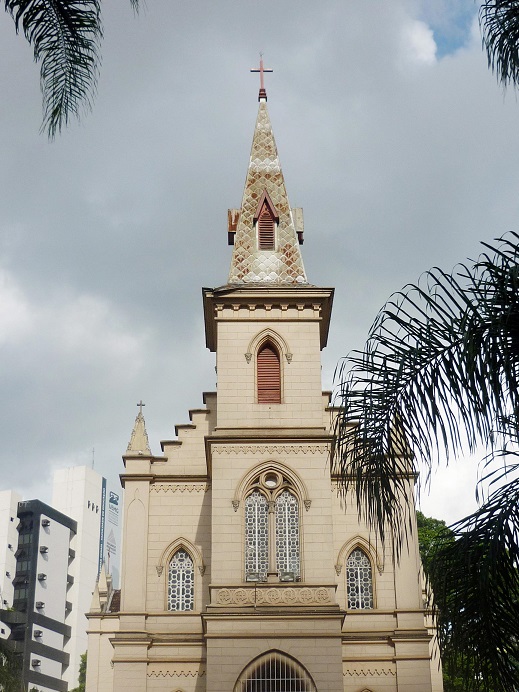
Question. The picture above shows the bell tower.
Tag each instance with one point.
(273, 590)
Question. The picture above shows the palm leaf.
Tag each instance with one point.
(65, 36)
(499, 21)
(475, 582)
(438, 375)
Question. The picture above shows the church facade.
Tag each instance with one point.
(244, 569)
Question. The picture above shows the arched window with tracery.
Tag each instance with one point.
(181, 581)
(268, 374)
(272, 528)
(275, 672)
(359, 580)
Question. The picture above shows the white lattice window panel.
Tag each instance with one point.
(287, 533)
(256, 535)
(181, 582)
(359, 581)
(275, 673)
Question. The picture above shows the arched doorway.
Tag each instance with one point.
(275, 672)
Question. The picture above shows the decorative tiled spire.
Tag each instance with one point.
(138, 443)
(265, 196)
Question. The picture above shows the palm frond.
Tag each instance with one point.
(439, 373)
(65, 35)
(475, 585)
(499, 21)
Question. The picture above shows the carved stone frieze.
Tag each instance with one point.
(164, 488)
(274, 596)
(271, 449)
(364, 672)
(181, 672)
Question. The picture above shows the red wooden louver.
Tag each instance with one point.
(266, 227)
(269, 375)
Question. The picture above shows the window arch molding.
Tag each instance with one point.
(371, 551)
(246, 484)
(262, 338)
(179, 544)
(297, 672)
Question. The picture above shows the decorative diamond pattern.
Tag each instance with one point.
(284, 264)
(359, 580)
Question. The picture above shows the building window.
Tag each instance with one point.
(181, 582)
(274, 672)
(272, 529)
(268, 374)
(359, 581)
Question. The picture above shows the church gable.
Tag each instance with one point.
(244, 570)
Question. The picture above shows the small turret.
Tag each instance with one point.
(138, 443)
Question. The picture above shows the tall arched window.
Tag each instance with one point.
(272, 529)
(359, 580)
(268, 374)
(287, 533)
(181, 581)
(256, 535)
(275, 672)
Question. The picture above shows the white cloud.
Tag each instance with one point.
(418, 46)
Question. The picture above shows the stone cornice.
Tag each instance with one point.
(237, 303)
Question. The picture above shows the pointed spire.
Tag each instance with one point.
(95, 604)
(138, 443)
(253, 261)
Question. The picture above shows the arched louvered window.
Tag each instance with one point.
(266, 228)
(256, 535)
(359, 580)
(181, 581)
(275, 672)
(269, 375)
(287, 533)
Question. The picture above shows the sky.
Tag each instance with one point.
(393, 136)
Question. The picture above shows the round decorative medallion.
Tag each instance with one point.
(224, 597)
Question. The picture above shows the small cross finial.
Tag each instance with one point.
(262, 70)
(140, 405)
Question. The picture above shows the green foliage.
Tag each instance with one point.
(439, 375)
(10, 668)
(82, 674)
(432, 533)
(65, 36)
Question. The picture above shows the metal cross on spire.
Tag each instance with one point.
(140, 405)
(262, 70)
